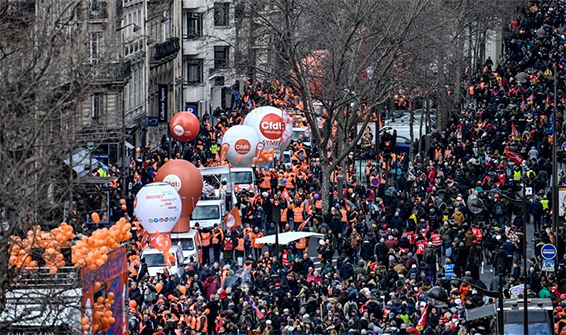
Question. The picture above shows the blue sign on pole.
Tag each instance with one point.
(191, 108)
(548, 265)
(548, 251)
(153, 121)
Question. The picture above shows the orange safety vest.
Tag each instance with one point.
(437, 153)
(266, 183)
(298, 214)
(240, 245)
(201, 324)
(205, 239)
(284, 215)
(344, 215)
(318, 204)
(257, 245)
(217, 235)
(290, 180)
(448, 153)
(301, 244)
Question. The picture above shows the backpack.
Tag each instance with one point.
(498, 210)
(228, 245)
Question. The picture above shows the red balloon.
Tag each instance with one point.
(187, 181)
(184, 126)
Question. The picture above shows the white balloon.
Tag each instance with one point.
(158, 207)
(243, 141)
(273, 126)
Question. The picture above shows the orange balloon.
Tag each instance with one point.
(95, 217)
(122, 201)
(187, 181)
(184, 126)
(124, 207)
(260, 161)
(158, 287)
(138, 150)
(239, 158)
(183, 289)
(254, 160)
(96, 286)
(133, 303)
(270, 159)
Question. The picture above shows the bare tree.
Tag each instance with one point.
(42, 83)
(342, 54)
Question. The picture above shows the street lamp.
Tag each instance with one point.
(123, 148)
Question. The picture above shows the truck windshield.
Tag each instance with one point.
(186, 243)
(155, 260)
(242, 177)
(206, 213)
(538, 328)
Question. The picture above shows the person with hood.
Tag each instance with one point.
(210, 286)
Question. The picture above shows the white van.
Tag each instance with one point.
(209, 212)
(190, 245)
(243, 179)
(156, 262)
(303, 134)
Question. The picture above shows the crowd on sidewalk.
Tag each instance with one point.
(442, 218)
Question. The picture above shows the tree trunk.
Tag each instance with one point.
(325, 182)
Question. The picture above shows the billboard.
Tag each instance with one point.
(113, 277)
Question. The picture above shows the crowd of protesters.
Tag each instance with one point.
(442, 218)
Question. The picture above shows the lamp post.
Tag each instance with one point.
(123, 148)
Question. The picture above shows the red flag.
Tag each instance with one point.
(547, 102)
(233, 219)
(531, 100)
(515, 133)
(515, 157)
(422, 321)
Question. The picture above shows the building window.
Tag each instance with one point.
(194, 71)
(221, 14)
(94, 47)
(194, 25)
(96, 106)
(221, 57)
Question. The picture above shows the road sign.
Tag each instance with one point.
(548, 251)
(548, 265)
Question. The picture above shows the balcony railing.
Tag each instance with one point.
(166, 50)
(111, 72)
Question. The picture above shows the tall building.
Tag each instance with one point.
(209, 74)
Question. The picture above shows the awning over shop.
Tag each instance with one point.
(81, 158)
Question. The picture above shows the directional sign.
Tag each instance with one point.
(548, 251)
(548, 265)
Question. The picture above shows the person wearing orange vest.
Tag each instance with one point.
(301, 246)
(265, 182)
(205, 239)
(256, 246)
(240, 248)
(298, 217)
(217, 239)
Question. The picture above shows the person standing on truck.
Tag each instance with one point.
(217, 240)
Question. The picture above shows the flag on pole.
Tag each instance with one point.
(487, 158)
(531, 100)
(254, 307)
(422, 321)
(547, 102)
(233, 219)
(285, 195)
(303, 225)
(515, 133)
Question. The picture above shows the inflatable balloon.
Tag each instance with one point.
(273, 126)
(95, 217)
(241, 141)
(158, 207)
(184, 126)
(186, 179)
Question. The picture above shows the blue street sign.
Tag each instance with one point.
(548, 251)
(100, 156)
(548, 265)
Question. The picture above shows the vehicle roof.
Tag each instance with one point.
(189, 234)
(238, 169)
(210, 202)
